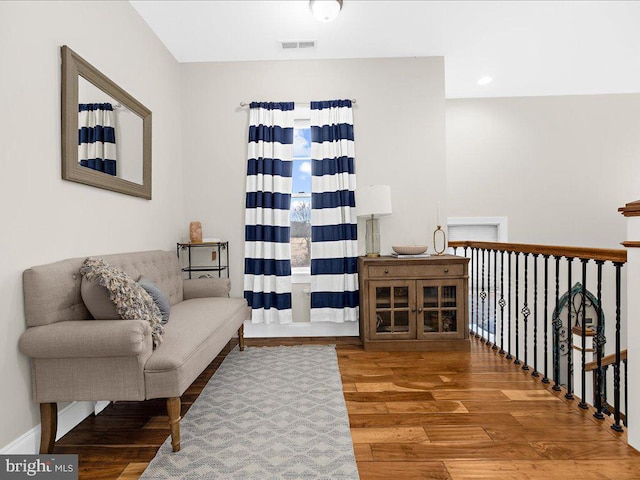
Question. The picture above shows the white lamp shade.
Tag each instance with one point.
(373, 200)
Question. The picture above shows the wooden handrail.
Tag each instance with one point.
(608, 360)
(604, 254)
(631, 209)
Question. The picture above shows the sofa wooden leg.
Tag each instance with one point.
(48, 426)
(173, 409)
(241, 337)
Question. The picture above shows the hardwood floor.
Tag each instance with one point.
(414, 415)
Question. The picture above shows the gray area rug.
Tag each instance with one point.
(267, 413)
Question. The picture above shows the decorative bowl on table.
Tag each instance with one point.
(409, 249)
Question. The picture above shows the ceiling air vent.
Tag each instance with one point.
(288, 45)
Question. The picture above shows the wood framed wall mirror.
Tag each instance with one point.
(106, 133)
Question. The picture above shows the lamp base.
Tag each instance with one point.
(372, 239)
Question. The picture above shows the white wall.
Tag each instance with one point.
(44, 218)
(399, 137)
(557, 167)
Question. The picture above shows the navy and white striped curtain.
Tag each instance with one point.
(334, 246)
(267, 267)
(97, 137)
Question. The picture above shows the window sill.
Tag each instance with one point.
(301, 275)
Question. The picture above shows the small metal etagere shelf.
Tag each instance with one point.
(217, 264)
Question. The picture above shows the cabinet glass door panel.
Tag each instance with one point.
(383, 321)
(401, 321)
(401, 297)
(430, 297)
(449, 295)
(391, 303)
(383, 297)
(430, 321)
(449, 321)
(440, 305)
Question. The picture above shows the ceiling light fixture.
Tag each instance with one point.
(325, 10)
(485, 80)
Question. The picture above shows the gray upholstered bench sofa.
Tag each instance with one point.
(74, 357)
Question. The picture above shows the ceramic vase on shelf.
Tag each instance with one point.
(195, 232)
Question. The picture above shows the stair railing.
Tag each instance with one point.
(519, 306)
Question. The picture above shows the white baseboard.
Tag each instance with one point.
(100, 405)
(68, 417)
(301, 329)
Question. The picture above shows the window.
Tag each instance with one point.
(300, 212)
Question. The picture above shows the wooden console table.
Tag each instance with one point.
(418, 303)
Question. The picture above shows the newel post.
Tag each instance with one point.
(632, 213)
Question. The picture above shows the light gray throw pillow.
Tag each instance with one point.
(158, 297)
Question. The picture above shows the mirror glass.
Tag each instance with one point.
(126, 146)
(106, 133)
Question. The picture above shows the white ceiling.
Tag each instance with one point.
(529, 48)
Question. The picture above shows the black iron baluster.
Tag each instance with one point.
(517, 361)
(478, 293)
(474, 259)
(599, 341)
(535, 316)
(495, 300)
(569, 394)
(583, 309)
(605, 408)
(616, 367)
(483, 296)
(509, 356)
(502, 303)
(488, 342)
(464, 250)
(545, 379)
(557, 323)
(455, 250)
(525, 311)
(473, 274)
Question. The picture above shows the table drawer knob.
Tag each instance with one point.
(386, 270)
(446, 270)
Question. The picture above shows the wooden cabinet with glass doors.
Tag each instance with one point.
(414, 303)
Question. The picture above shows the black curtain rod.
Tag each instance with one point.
(246, 104)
